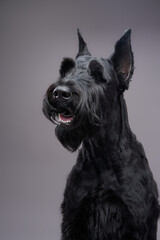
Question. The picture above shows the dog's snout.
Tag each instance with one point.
(62, 92)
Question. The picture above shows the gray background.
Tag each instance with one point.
(35, 36)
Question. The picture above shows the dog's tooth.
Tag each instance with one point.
(64, 121)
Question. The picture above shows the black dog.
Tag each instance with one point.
(110, 192)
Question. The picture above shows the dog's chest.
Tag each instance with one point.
(91, 183)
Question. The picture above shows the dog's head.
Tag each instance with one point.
(87, 91)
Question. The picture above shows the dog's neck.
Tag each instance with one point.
(114, 137)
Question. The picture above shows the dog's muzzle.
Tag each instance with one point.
(60, 105)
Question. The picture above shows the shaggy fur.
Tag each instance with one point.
(110, 193)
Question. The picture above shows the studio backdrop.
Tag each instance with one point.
(35, 36)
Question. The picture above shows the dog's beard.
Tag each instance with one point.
(72, 131)
(71, 135)
(70, 138)
(81, 126)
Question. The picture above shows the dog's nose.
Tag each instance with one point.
(62, 92)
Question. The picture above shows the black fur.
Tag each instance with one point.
(66, 65)
(110, 193)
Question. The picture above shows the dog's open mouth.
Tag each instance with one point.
(66, 119)
(63, 118)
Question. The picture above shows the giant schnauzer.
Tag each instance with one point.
(110, 193)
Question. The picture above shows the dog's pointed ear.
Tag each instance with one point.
(123, 60)
(83, 49)
(66, 65)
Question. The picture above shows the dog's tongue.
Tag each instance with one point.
(65, 119)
